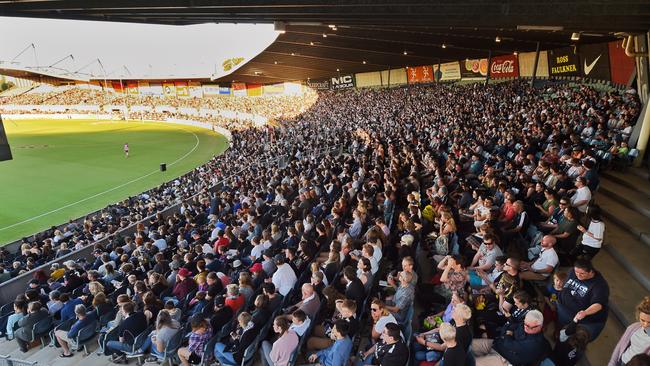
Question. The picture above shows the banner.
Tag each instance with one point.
(118, 86)
(224, 90)
(132, 88)
(506, 66)
(182, 90)
(318, 84)
(273, 89)
(156, 89)
(253, 90)
(143, 87)
(419, 74)
(195, 89)
(595, 61)
(527, 63)
(239, 89)
(169, 89)
(622, 67)
(210, 89)
(563, 62)
(448, 71)
(342, 82)
(474, 68)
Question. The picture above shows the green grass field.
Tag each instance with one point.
(65, 169)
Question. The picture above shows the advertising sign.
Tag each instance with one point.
(342, 82)
(419, 74)
(474, 68)
(595, 61)
(563, 62)
(318, 84)
(506, 66)
(447, 71)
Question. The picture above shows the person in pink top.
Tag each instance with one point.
(636, 339)
(280, 352)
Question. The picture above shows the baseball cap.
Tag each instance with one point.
(257, 267)
(184, 272)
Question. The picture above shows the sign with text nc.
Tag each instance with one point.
(343, 82)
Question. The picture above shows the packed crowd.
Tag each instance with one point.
(473, 201)
(272, 107)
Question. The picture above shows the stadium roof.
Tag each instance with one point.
(382, 33)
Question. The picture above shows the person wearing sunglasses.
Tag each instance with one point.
(522, 344)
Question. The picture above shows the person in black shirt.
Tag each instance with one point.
(133, 324)
(571, 345)
(394, 352)
(222, 313)
(455, 354)
(584, 298)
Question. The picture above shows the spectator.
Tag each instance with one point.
(339, 352)
(132, 325)
(284, 277)
(83, 320)
(584, 298)
(231, 351)
(635, 340)
(522, 345)
(199, 338)
(280, 352)
(23, 334)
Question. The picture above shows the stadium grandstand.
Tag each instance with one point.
(459, 183)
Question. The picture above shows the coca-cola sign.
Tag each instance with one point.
(504, 67)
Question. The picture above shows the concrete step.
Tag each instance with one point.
(629, 251)
(632, 198)
(625, 292)
(600, 350)
(635, 182)
(636, 224)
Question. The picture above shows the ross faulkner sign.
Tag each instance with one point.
(343, 82)
(563, 62)
(504, 67)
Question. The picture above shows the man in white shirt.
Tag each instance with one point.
(284, 277)
(581, 198)
(543, 266)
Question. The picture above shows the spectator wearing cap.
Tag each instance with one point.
(185, 284)
(258, 274)
(284, 278)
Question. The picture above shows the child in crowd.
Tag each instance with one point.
(299, 322)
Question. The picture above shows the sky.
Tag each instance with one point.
(145, 49)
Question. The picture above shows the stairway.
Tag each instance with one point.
(625, 258)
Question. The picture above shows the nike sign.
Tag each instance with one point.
(591, 65)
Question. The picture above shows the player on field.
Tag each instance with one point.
(126, 149)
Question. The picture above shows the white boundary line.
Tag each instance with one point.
(109, 190)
